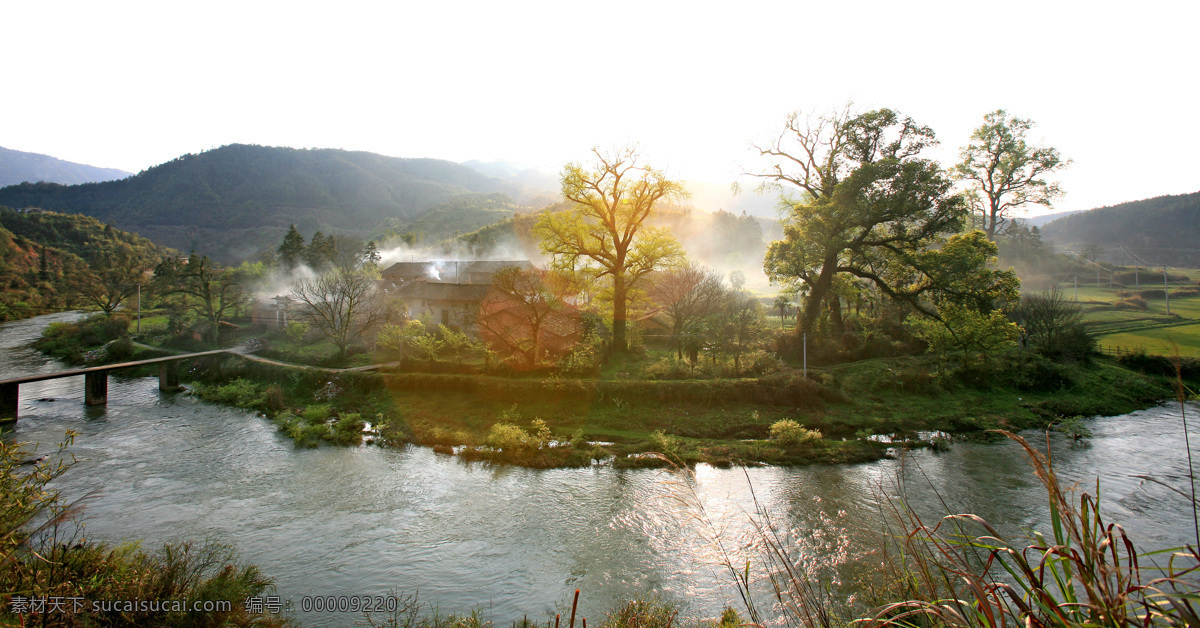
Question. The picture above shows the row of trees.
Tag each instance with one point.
(868, 216)
(324, 252)
(865, 212)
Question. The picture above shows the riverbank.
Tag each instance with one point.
(860, 410)
(854, 412)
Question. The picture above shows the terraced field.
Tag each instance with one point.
(1152, 328)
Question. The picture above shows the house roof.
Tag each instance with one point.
(407, 269)
(442, 291)
(492, 266)
(562, 324)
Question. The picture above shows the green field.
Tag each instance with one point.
(1151, 329)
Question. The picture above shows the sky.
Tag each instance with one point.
(129, 85)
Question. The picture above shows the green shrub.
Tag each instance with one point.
(759, 363)
(541, 432)
(670, 446)
(240, 392)
(915, 379)
(121, 350)
(318, 414)
(273, 398)
(1037, 374)
(791, 434)
(1131, 303)
(1073, 427)
(348, 429)
(509, 438)
(1160, 364)
(649, 612)
(667, 368)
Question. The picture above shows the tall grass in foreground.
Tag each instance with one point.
(1086, 573)
(961, 571)
(44, 558)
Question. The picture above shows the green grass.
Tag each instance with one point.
(1151, 330)
(1163, 340)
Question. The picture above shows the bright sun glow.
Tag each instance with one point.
(133, 84)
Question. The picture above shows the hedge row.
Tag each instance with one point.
(778, 389)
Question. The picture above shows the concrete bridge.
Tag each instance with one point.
(95, 380)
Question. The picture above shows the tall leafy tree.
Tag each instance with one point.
(739, 324)
(291, 252)
(971, 298)
(605, 233)
(1007, 173)
(321, 252)
(370, 255)
(860, 201)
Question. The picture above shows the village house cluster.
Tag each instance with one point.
(459, 295)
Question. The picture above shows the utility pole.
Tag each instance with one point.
(1166, 291)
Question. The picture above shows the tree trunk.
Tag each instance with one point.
(990, 220)
(620, 311)
(815, 298)
(835, 315)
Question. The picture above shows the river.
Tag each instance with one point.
(512, 541)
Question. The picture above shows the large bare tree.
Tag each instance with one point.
(687, 295)
(213, 290)
(520, 309)
(343, 303)
(111, 278)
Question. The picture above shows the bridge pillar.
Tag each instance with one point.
(8, 402)
(95, 388)
(168, 376)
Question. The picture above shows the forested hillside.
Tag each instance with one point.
(462, 214)
(19, 166)
(77, 234)
(50, 261)
(234, 201)
(1161, 230)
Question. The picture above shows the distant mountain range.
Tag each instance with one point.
(236, 201)
(1045, 219)
(18, 167)
(1160, 230)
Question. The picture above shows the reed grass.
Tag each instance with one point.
(43, 555)
(962, 571)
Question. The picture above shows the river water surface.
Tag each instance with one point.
(365, 521)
